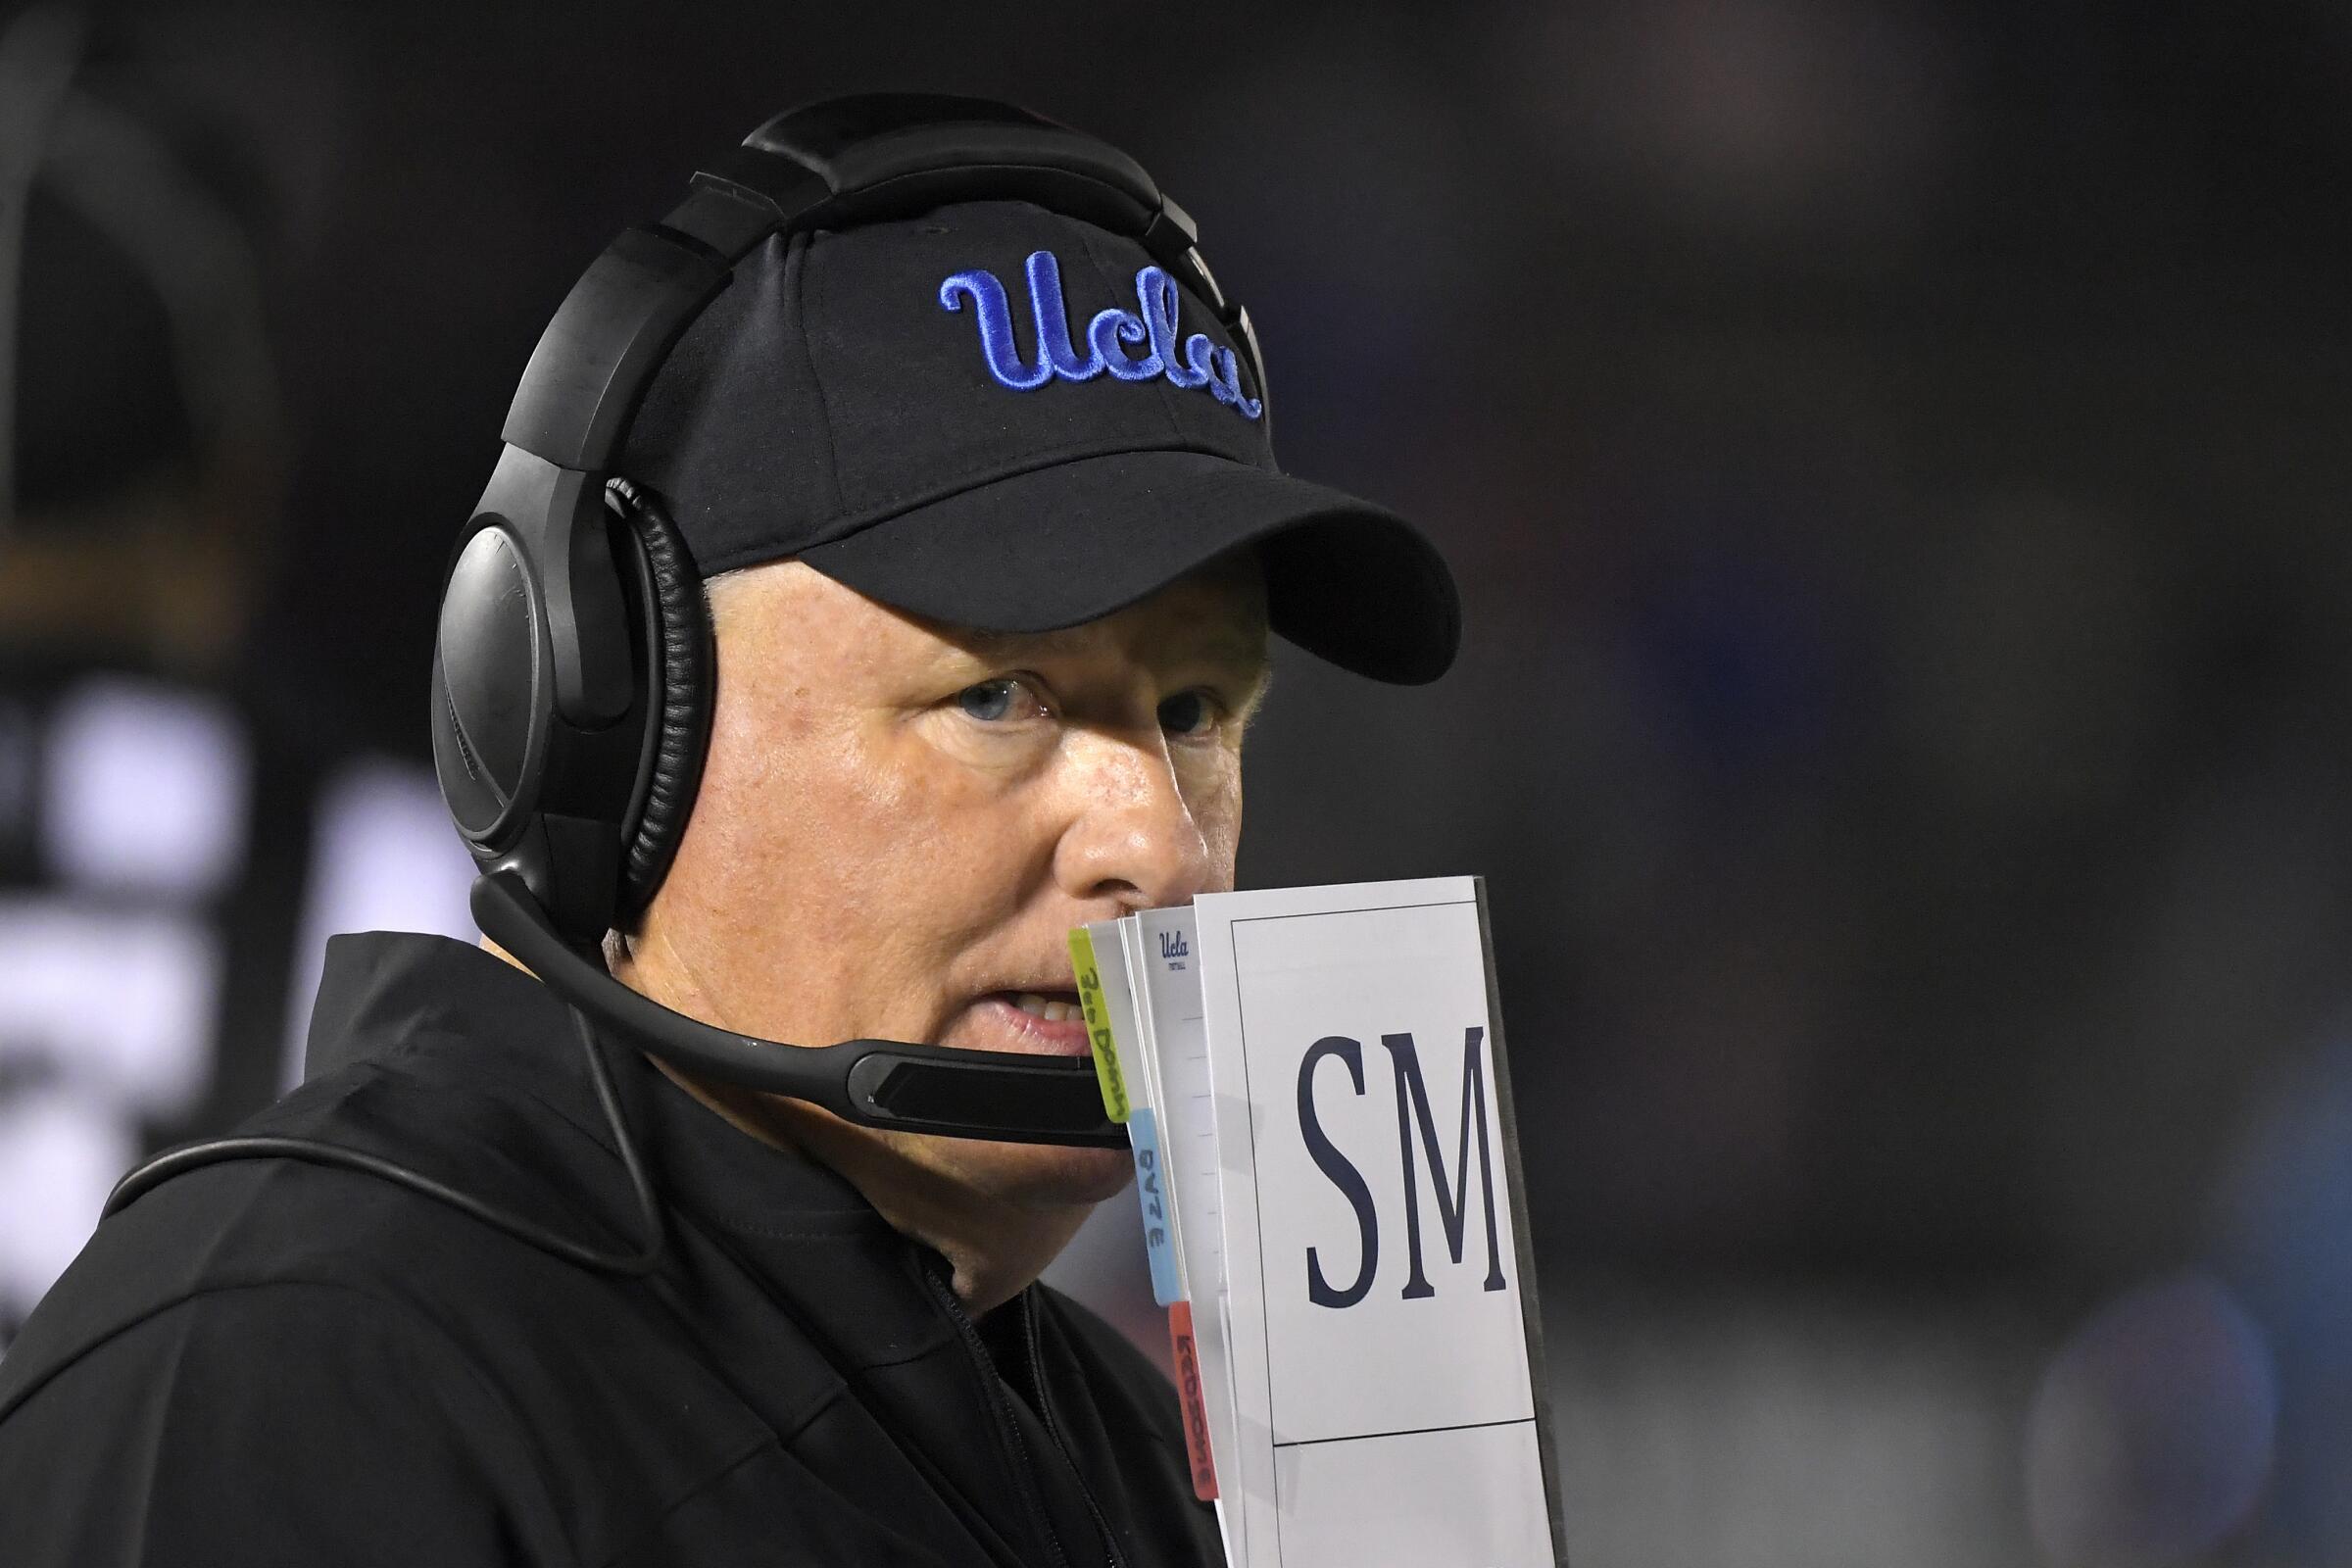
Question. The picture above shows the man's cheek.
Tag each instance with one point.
(1216, 809)
(885, 859)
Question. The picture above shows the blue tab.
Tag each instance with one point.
(1151, 1191)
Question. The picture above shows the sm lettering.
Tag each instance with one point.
(1416, 1129)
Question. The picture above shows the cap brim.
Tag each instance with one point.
(1058, 546)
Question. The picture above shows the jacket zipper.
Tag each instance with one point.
(992, 1390)
(1044, 1411)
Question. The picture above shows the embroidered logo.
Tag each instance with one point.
(1109, 336)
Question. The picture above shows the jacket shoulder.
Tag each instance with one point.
(361, 1305)
(273, 1421)
(246, 1221)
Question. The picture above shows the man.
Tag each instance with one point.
(839, 1353)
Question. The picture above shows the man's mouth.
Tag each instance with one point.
(1044, 1022)
(1057, 1009)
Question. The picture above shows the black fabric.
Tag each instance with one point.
(270, 1362)
(826, 406)
(1330, 581)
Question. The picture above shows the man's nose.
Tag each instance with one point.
(1132, 836)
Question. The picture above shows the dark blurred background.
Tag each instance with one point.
(1894, 456)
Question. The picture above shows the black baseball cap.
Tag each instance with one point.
(1003, 418)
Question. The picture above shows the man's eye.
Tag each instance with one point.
(1188, 714)
(993, 702)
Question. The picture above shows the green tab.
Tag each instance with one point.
(1097, 1025)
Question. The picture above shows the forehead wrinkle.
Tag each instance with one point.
(1189, 622)
(1243, 651)
(1015, 645)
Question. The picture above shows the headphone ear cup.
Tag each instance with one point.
(680, 690)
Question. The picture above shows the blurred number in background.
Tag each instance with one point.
(1896, 459)
(179, 833)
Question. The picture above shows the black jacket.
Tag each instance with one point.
(274, 1362)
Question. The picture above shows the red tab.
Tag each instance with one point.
(1196, 1413)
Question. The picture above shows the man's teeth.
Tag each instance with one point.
(1031, 1003)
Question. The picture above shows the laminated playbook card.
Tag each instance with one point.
(1329, 1142)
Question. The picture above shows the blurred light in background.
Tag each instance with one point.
(1786, 1429)
(114, 965)
(145, 790)
(61, 1152)
(2284, 1241)
(2150, 1438)
(149, 1048)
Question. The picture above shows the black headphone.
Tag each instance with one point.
(572, 666)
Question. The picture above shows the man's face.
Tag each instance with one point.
(899, 822)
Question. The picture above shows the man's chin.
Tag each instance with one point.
(1035, 1175)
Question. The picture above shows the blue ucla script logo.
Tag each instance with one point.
(1108, 336)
